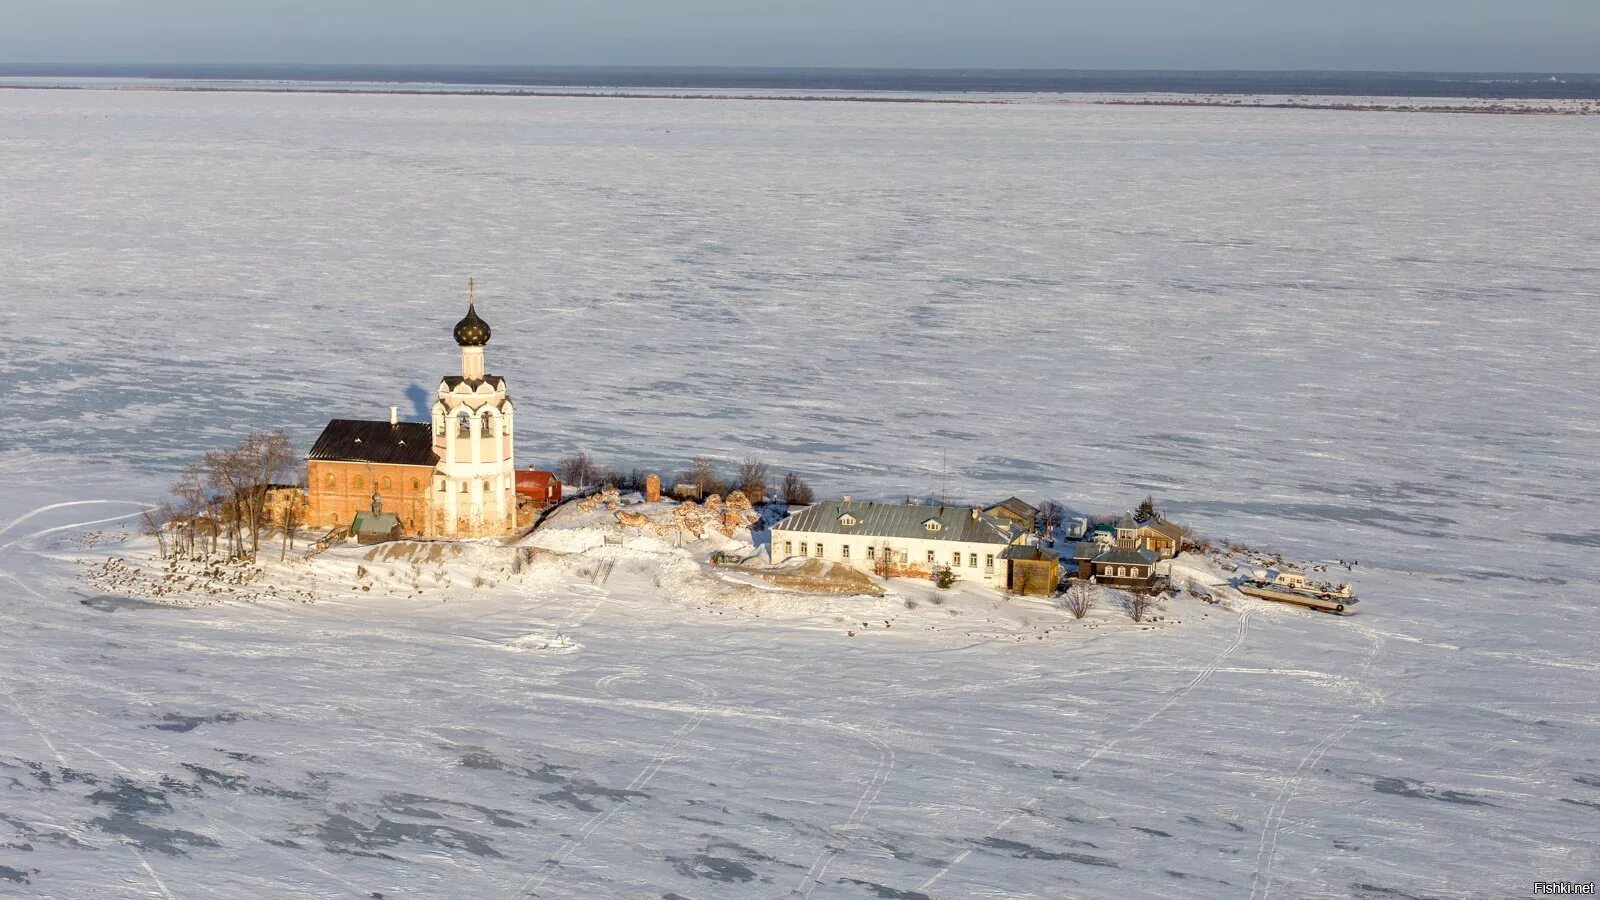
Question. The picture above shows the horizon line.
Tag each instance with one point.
(812, 68)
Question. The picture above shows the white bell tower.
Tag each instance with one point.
(474, 490)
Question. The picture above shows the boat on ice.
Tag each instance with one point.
(1289, 586)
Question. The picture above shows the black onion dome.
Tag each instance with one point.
(472, 331)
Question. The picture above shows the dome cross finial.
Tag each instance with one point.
(472, 331)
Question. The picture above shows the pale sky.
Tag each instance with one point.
(1475, 35)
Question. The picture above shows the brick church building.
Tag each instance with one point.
(451, 477)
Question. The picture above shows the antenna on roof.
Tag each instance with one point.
(944, 480)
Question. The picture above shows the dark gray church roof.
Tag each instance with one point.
(352, 440)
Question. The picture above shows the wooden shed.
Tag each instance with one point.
(1032, 571)
(544, 488)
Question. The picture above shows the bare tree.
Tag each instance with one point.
(227, 475)
(294, 512)
(189, 502)
(576, 470)
(238, 480)
(753, 479)
(795, 490)
(883, 564)
(1139, 604)
(153, 523)
(1079, 599)
(263, 456)
(703, 475)
(1051, 515)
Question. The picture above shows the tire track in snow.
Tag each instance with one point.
(39, 662)
(54, 506)
(76, 525)
(1267, 847)
(880, 777)
(1205, 672)
(662, 756)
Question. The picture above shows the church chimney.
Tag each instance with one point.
(394, 415)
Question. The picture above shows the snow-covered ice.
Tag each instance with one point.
(1341, 335)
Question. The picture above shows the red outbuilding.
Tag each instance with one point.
(543, 487)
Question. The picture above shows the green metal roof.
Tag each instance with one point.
(367, 523)
(898, 520)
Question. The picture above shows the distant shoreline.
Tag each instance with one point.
(1480, 106)
(1466, 86)
(1401, 104)
(514, 92)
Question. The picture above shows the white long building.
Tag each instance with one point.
(912, 539)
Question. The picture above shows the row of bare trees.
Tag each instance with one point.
(752, 477)
(219, 504)
(1079, 600)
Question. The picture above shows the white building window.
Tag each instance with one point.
(804, 548)
(930, 557)
(902, 557)
(788, 548)
(955, 559)
(872, 553)
(819, 551)
(844, 551)
(988, 562)
(972, 560)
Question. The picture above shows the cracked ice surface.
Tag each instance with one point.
(1342, 335)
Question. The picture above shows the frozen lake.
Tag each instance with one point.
(1342, 335)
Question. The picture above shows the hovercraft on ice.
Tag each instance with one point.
(1289, 586)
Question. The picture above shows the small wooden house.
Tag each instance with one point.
(1126, 566)
(1032, 571)
(1160, 537)
(543, 488)
(1083, 554)
(1016, 511)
